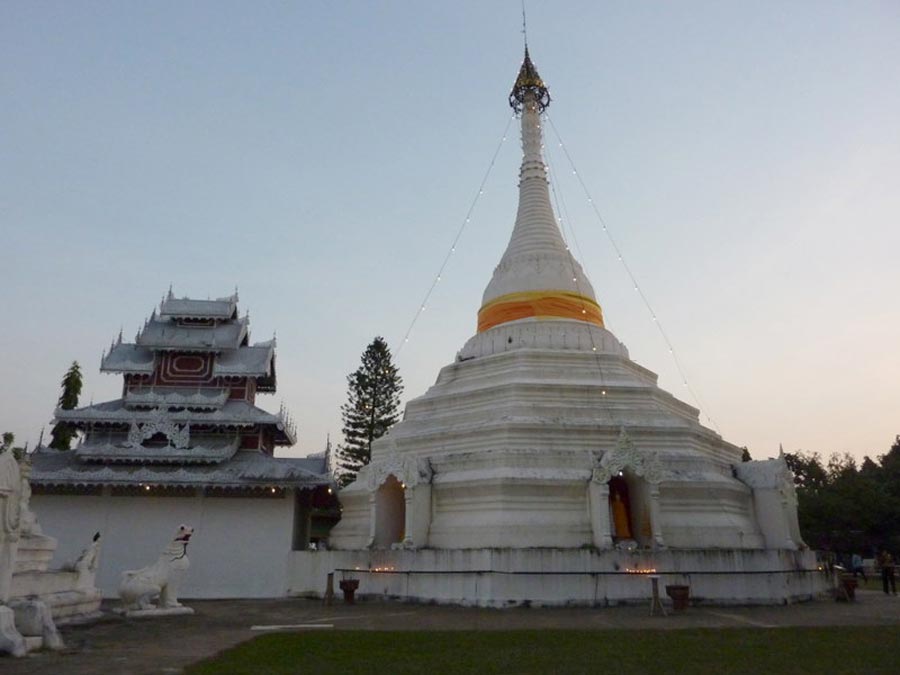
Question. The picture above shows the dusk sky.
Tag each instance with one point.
(321, 156)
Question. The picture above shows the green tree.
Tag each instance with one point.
(808, 471)
(372, 407)
(845, 507)
(63, 433)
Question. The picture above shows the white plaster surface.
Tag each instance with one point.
(555, 577)
(239, 549)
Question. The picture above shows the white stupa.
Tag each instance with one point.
(545, 466)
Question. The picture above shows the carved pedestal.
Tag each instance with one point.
(11, 641)
(33, 620)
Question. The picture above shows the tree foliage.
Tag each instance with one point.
(372, 407)
(845, 507)
(63, 433)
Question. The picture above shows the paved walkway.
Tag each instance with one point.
(116, 645)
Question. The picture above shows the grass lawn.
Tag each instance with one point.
(823, 651)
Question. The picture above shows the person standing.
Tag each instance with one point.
(856, 566)
(886, 563)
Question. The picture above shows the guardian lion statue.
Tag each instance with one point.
(139, 587)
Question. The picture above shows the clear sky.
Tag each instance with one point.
(322, 155)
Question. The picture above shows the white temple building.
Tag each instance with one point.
(187, 444)
(545, 466)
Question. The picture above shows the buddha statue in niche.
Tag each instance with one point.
(620, 515)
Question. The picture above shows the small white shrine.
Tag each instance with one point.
(546, 467)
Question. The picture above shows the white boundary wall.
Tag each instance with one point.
(240, 547)
(508, 577)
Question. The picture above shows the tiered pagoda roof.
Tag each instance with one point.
(245, 470)
(191, 378)
(186, 308)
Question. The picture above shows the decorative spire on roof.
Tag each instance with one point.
(529, 86)
(537, 278)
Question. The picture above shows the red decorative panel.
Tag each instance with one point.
(175, 369)
(188, 363)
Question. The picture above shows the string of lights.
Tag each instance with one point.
(459, 233)
(560, 210)
(556, 189)
(678, 365)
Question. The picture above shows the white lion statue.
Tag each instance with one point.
(139, 587)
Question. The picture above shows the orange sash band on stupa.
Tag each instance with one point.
(539, 305)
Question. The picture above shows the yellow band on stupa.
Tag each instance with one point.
(539, 305)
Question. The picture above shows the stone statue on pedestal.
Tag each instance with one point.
(24, 623)
(161, 579)
(28, 521)
(11, 640)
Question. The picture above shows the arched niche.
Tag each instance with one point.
(624, 487)
(620, 512)
(390, 513)
(629, 508)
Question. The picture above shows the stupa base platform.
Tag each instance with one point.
(562, 577)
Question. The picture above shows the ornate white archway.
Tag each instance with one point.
(625, 458)
(399, 501)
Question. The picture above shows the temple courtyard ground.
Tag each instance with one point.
(296, 635)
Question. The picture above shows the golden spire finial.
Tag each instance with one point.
(529, 83)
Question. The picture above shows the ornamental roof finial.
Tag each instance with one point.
(170, 295)
(529, 85)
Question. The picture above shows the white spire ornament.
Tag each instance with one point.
(537, 278)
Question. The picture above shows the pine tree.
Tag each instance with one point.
(63, 433)
(372, 407)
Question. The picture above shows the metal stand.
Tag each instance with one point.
(329, 590)
(655, 602)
